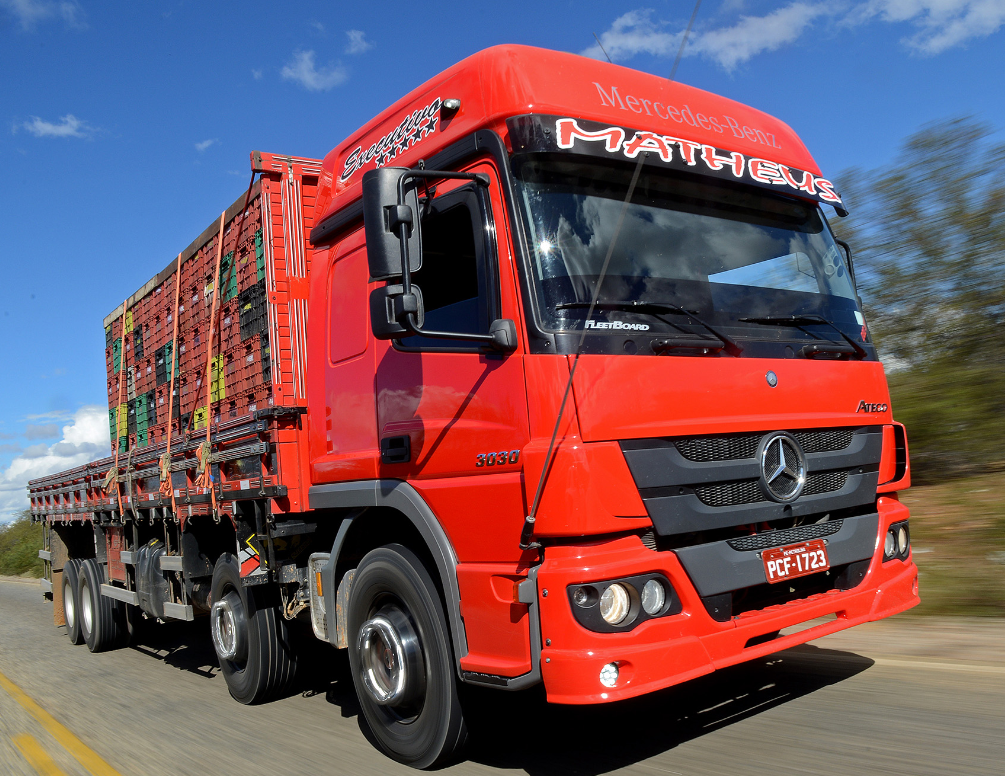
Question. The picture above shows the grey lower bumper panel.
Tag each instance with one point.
(717, 568)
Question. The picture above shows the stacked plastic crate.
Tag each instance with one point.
(141, 351)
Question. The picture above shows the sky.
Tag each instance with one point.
(125, 128)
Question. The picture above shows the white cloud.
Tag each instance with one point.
(41, 431)
(31, 12)
(357, 42)
(318, 26)
(256, 74)
(302, 70)
(68, 126)
(203, 145)
(752, 35)
(635, 33)
(85, 438)
(942, 24)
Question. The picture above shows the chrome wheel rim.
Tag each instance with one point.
(69, 609)
(391, 662)
(225, 618)
(86, 609)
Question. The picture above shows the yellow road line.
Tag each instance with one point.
(33, 752)
(86, 756)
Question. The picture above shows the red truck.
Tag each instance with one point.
(553, 373)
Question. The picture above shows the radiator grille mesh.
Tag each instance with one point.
(795, 535)
(734, 447)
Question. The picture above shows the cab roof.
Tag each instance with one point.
(510, 80)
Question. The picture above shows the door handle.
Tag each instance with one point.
(396, 449)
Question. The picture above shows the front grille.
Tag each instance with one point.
(719, 448)
(802, 533)
(824, 440)
(732, 447)
(731, 494)
(825, 482)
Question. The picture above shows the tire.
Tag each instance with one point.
(71, 601)
(395, 619)
(250, 637)
(102, 619)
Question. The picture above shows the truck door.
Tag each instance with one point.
(462, 409)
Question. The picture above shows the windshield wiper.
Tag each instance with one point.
(640, 306)
(803, 320)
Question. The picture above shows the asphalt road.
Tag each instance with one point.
(901, 697)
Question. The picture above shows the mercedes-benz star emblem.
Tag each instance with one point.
(783, 468)
(772, 378)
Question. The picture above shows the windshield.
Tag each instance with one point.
(724, 252)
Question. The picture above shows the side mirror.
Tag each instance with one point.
(503, 335)
(389, 306)
(383, 219)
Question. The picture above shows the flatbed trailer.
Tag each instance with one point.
(428, 400)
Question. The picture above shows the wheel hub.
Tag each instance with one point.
(227, 627)
(391, 660)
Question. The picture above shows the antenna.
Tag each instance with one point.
(683, 42)
(605, 50)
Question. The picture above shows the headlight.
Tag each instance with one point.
(902, 540)
(890, 545)
(614, 604)
(653, 597)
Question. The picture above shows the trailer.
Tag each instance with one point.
(551, 374)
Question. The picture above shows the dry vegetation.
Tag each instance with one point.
(958, 533)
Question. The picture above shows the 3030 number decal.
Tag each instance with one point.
(497, 459)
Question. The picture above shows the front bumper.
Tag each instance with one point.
(672, 649)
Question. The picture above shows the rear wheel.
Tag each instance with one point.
(401, 659)
(71, 601)
(102, 619)
(250, 636)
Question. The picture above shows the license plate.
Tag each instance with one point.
(795, 560)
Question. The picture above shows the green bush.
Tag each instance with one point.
(20, 542)
(955, 419)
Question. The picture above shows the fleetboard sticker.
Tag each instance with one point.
(551, 133)
(415, 127)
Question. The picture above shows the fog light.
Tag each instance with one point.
(890, 545)
(609, 674)
(653, 597)
(614, 604)
(902, 539)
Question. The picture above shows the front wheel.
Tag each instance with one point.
(401, 659)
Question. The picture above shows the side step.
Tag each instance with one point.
(126, 596)
(171, 610)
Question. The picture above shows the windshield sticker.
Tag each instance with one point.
(620, 325)
(415, 127)
(534, 133)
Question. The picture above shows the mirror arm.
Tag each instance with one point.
(851, 264)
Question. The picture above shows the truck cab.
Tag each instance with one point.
(614, 304)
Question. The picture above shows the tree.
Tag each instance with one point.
(929, 237)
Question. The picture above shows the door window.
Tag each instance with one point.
(457, 277)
